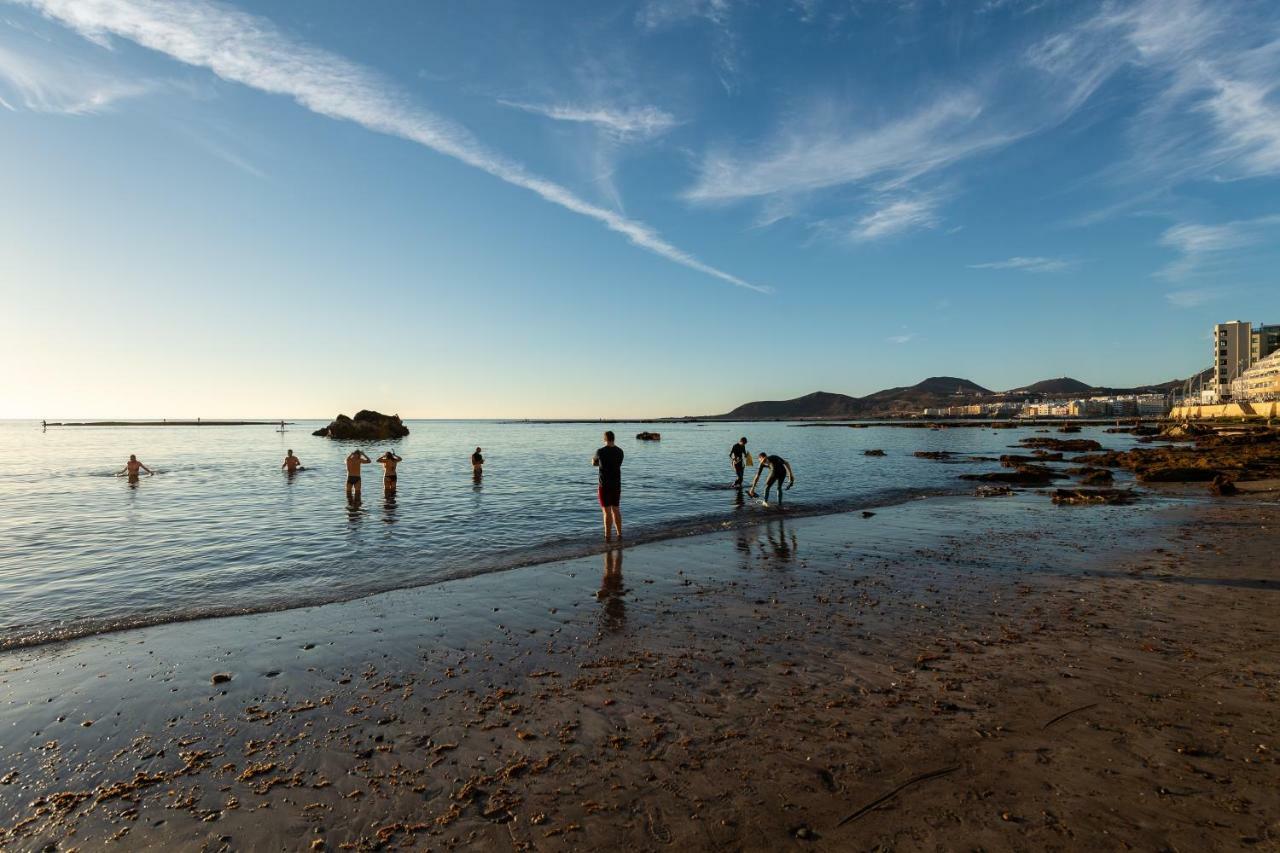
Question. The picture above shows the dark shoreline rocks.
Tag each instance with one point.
(367, 425)
(1071, 445)
(1093, 496)
(648, 436)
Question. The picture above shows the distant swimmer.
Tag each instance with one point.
(292, 463)
(779, 469)
(739, 457)
(388, 461)
(131, 468)
(355, 459)
(609, 460)
(477, 464)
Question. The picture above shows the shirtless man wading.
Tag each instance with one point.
(292, 463)
(389, 461)
(355, 459)
(131, 468)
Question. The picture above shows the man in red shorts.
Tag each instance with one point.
(609, 460)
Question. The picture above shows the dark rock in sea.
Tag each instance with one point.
(1024, 475)
(1223, 486)
(1013, 460)
(365, 426)
(1069, 429)
(1071, 445)
(993, 491)
(866, 513)
(220, 677)
(873, 453)
(1173, 474)
(649, 436)
(933, 454)
(1093, 496)
(1097, 477)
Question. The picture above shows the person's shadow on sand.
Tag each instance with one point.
(613, 617)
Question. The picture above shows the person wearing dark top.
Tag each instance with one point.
(477, 464)
(738, 456)
(779, 469)
(608, 460)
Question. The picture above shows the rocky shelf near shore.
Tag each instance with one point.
(367, 425)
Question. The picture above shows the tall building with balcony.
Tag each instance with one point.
(1232, 354)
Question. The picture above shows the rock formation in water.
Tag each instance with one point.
(365, 426)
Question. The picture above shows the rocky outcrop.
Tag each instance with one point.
(1023, 475)
(933, 454)
(1071, 445)
(365, 426)
(649, 436)
(1249, 454)
(1223, 486)
(873, 453)
(1013, 460)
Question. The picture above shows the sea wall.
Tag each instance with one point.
(1225, 410)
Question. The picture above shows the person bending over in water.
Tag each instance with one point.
(477, 464)
(389, 462)
(779, 469)
(131, 468)
(609, 460)
(355, 459)
(292, 463)
(738, 456)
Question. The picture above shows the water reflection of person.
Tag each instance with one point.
(778, 540)
(614, 615)
(389, 507)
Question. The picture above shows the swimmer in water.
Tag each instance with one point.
(131, 468)
(389, 461)
(292, 463)
(355, 459)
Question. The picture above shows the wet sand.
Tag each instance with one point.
(996, 674)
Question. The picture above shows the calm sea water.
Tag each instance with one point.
(221, 529)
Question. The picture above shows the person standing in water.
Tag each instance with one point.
(292, 464)
(131, 468)
(477, 464)
(739, 457)
(609, 460)
(779, 469)
(355, 459)
(389, 461)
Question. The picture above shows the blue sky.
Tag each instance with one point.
(658, 207)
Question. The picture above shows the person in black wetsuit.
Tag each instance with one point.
(738, 456)
(609, 460)
(779, 469)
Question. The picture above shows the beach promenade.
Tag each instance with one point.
(1003, 671)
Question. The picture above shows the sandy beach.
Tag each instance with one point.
(950, 673)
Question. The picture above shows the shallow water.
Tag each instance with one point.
(221, 529)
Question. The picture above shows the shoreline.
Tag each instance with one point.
(752, 688)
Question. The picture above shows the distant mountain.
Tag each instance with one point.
(934, 392)
(819, 404)
(1064, 385)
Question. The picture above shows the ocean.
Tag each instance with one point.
(221, 529)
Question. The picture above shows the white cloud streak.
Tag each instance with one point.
(623, 124)
(1191, 298)
(1195, 242)
(894, 217)
(1033, 264)
(46, 84)
(249, 50)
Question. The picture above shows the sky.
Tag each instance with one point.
(621, 209)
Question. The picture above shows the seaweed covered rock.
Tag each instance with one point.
(873, 452)
(1024, 475)
(649, 436)
(365, 426)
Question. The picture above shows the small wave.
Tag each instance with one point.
(750, 515)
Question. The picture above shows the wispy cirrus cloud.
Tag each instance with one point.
(1031, 264)
(1198, 244)
(249, 50)
(904, 338)
(1193, 298)
(896, 216)
(48, 83)
(621, 123)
